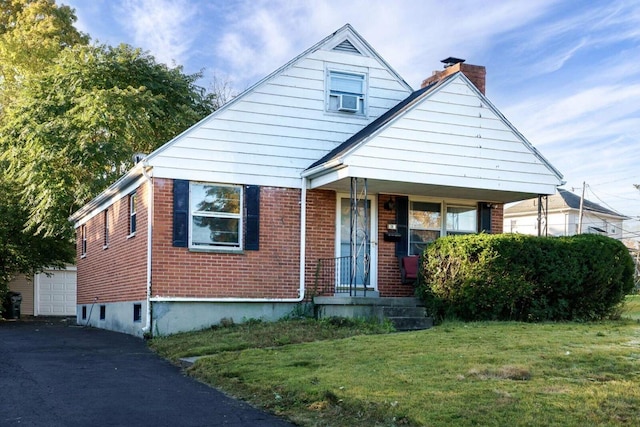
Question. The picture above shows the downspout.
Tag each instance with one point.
(303, 235)
(147, 328)
(303, 240)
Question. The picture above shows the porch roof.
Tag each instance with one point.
(444, 140)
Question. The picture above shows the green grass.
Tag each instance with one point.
(463, 374)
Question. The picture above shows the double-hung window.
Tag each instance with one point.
(346, 92)
(105, 243)
(132, 214)
(216, 216)
(425, 224)
(462, 220)
(83, 241)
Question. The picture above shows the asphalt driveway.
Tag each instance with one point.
(54, 375)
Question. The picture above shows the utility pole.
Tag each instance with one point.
(581, 208)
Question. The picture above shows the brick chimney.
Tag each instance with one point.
(476, 73)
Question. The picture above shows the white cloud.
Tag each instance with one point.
(164, 27)
(412, 35)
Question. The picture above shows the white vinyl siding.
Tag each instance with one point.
(271, 134)
(453, 138)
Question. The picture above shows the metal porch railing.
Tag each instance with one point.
(335, 276)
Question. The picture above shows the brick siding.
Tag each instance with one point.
(497, 219)
(116, 273)
(271, 272)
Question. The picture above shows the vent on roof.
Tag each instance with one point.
(347, 46)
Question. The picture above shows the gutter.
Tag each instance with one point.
(147, 328)
(301, 290)
(333, 164)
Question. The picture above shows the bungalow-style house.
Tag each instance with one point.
(559, 215)
(313, 184)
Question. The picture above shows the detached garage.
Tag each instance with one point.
(51, 293)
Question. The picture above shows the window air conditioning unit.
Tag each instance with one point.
(350, 103)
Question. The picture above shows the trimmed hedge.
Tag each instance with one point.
(525, 278)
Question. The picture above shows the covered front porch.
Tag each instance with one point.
(375, 231)
(443, 161)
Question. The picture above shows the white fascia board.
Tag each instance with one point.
(323, 168)
(126, 184)
(328, 177)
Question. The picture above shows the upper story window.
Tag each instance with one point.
(346, 92)
(132, 214)
(216, 216)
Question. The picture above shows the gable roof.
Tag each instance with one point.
(405, 105)
(453, 137)
(374, 126)
(345, 41)
(348, 35)
(561, 201)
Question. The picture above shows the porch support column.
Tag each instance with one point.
(359, 238)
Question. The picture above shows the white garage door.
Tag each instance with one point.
(56, 293)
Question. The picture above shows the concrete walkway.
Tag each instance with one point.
(55, 374)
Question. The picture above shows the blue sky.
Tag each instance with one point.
(566, 73)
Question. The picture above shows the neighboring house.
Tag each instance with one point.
(331, 157)
(560, 216)
(50, 293)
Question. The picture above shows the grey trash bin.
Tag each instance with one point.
(12, 305)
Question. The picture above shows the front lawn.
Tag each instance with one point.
(463, 374)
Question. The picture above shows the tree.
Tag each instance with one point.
(71, 117)
(32, 34)
(73, 131)
(21, 251)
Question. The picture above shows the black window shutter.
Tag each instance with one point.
(252, 235)
(180, 213)
(402, 221)
(484, 212)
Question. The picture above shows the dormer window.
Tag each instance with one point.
(346, 92)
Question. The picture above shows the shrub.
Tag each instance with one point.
(525, 278)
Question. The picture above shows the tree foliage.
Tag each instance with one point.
(73, 131)
(21, 251)
(32, 34)
(71, 117)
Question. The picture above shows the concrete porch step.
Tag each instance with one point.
(403, 311)
(407, 318)
(406, 314)
(411, 323)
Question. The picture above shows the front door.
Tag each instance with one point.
(364, 270)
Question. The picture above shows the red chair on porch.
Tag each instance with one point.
(409, 268)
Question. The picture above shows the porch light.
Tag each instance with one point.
(389, 205)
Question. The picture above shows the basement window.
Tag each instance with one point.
(137, 312)
(103, 312)
(84, 312)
